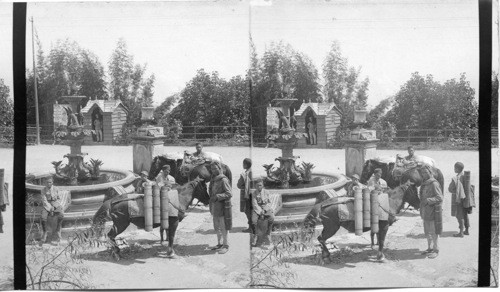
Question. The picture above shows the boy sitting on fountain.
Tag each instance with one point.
(52, 206)
(262, 210)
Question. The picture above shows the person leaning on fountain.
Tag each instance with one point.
(52, 205)
(262, 209)
(139, 183)
(164, 178)
(376, 182)
(220, 191)
(354, 183)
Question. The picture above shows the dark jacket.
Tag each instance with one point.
(220, 190)
(431, 197)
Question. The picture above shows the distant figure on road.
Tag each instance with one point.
(98, 129)
(311, 129)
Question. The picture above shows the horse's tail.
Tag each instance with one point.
(440, 179)
(312, 217)
(102, 215)
(229, 174)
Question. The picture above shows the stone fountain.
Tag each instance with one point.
(300, 188)
(87, 183)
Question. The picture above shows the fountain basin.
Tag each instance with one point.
(297, 201)
(85, 199)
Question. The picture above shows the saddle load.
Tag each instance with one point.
(365, 209)
(155, 205)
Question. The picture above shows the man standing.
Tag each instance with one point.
(164, 178)
(244, 184)
(431, 198)
(52, 205)
(220, 191)
(457, 191)
(376, 182)
(98, 129)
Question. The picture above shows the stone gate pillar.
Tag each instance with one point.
(360, 146)
(147, 143)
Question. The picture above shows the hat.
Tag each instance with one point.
(355, 176)
(144, 172)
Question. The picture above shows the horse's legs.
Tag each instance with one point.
(384, 227)
(330, 227)
(120, 223)
(372, 235)
(161, 235)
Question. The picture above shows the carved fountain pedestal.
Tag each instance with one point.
(295, 189)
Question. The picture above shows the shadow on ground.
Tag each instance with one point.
(348, 257)
(138, 251)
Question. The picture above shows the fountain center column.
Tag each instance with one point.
(360, 146)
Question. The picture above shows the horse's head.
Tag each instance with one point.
(411, 196)
(367, 172)
(196, 188)
(403, 193)
(156, 165)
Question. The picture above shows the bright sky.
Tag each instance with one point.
(388, 39)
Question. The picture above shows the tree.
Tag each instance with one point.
(120, 72)
(127, 82)
(68, 69)
(209, 100)
(281, 72)
(343, 87)
(426, 104)
(6, 106)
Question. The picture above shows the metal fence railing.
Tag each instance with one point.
(242, 134)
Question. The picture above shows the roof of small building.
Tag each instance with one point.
(319, 109)
(107, 106)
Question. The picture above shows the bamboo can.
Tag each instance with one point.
(164, 199)
(366, 208)
(156, 204)
(374, 210)
(148, 207)
(228, 217)
(358, 211)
